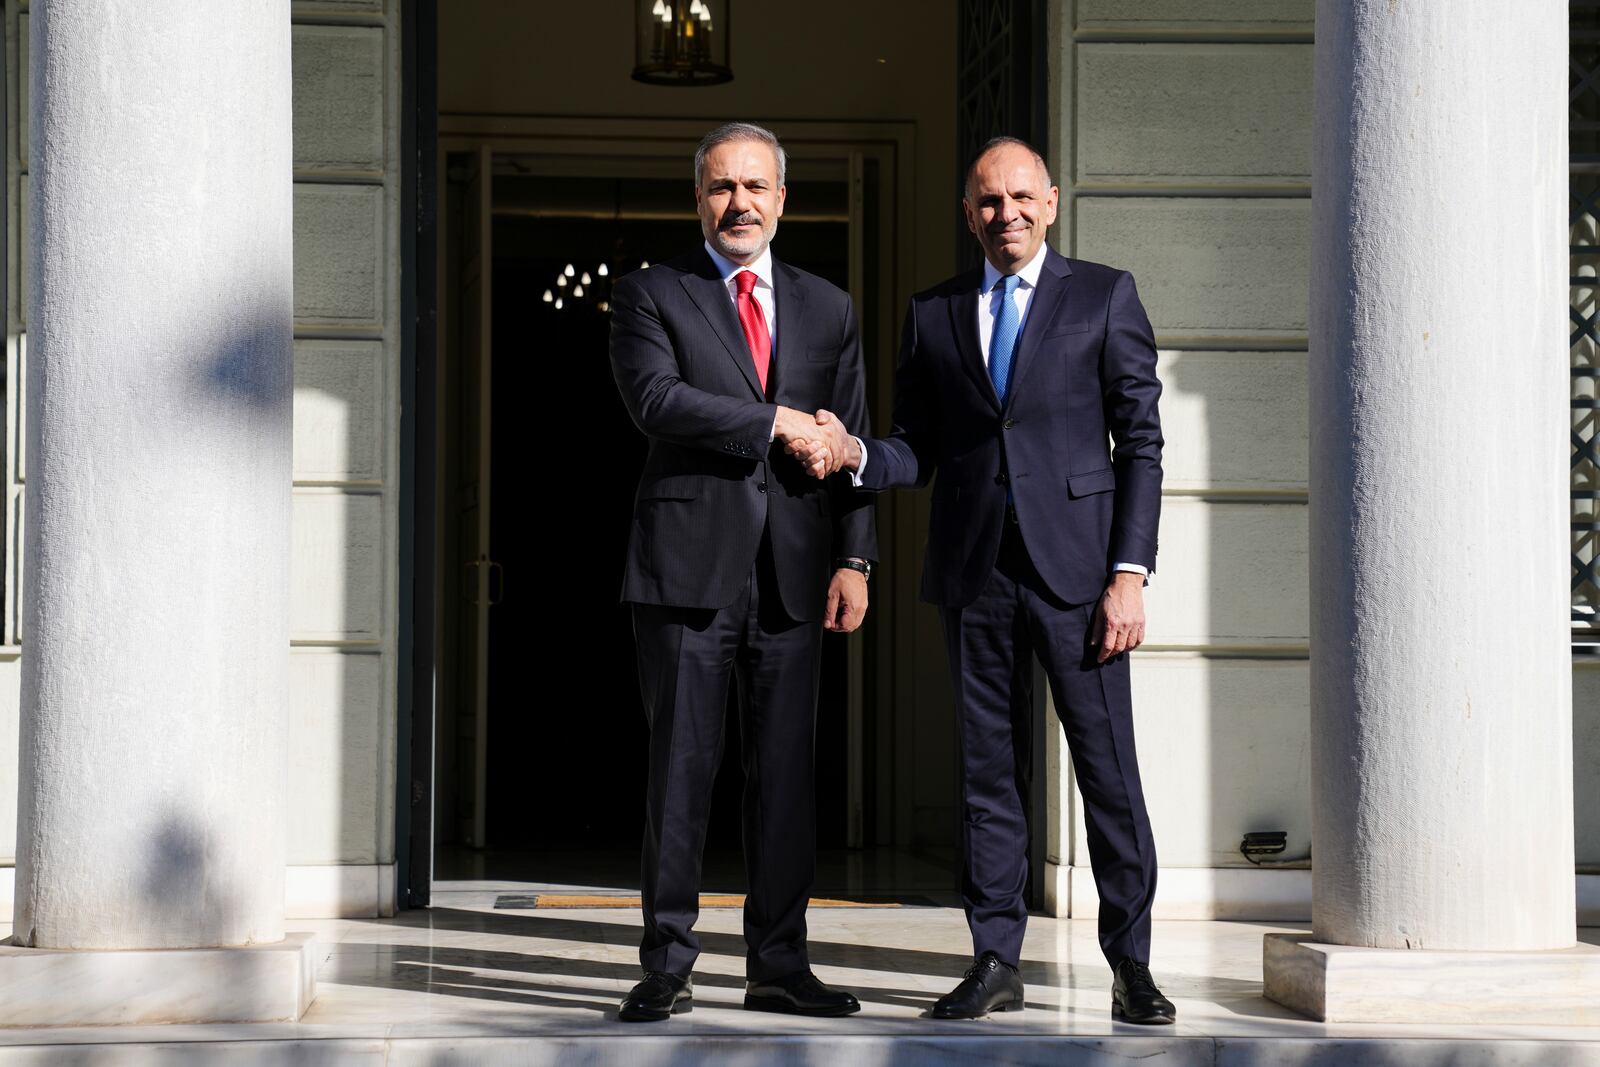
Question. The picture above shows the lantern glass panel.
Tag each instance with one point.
(681, 42)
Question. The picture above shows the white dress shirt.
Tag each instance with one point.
(763, 292)
(989, 298)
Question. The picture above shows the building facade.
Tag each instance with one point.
(1181, 136)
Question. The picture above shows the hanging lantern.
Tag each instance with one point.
(681, 42)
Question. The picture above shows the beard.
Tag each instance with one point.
(748, 245)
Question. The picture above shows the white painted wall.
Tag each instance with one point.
(1183, 151)
(346, 449)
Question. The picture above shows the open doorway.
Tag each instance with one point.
(540, 738)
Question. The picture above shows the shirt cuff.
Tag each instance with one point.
(855, 475)
(1134, 567)
(772, 435)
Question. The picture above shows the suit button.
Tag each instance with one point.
(1008, 424)
(761, 487)
(1001, 479)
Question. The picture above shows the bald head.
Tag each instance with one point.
(1010, 203)
(994, 144)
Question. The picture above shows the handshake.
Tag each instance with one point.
(819, 442)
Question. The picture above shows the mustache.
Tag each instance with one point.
(746, 218)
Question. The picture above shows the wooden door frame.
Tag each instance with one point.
(644, 147)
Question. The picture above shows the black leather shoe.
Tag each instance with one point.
(658, 996)
(799, 993)
(1135, 998)
(988, 986)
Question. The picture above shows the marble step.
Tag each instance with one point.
(745, 1050)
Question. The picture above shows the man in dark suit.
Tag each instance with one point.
(1011, 379)
(734, 558)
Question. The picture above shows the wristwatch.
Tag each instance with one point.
(855, 563)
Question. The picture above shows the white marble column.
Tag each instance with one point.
(155, 584)
(1440, 666)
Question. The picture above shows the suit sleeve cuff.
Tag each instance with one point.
(855, 475)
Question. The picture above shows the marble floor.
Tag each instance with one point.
(467, 982)
(927, 876)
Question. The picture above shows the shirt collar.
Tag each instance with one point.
(1029, 272)
(762, 267)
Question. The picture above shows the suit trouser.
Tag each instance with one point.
(992, 643)
(687, 659)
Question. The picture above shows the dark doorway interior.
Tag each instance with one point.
(567, 734)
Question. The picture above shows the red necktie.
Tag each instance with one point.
(754, 323)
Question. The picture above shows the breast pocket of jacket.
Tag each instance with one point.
(1065, 329)
(822, 354)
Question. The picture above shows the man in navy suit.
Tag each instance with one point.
(737, 561)
(1012, 378)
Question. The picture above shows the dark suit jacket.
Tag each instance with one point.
(1084, 369)
(713, 481)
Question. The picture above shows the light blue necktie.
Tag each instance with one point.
(1004, 339)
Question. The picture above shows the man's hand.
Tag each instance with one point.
(1118, 624)
(801, 439)
(829, 449)
(847, 601)
(794, 424)
(843, 447)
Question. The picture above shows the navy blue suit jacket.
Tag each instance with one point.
(1078, 439)
(713, 481)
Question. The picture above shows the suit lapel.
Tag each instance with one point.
(1042, 309)
(706, 288)
(790, 296)
(964, 325)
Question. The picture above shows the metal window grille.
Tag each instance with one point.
(1584, 223)
(1000, 84)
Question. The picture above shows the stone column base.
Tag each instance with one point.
(1345, 983)
(64, 987)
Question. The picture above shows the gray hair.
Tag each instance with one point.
(738, 131)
